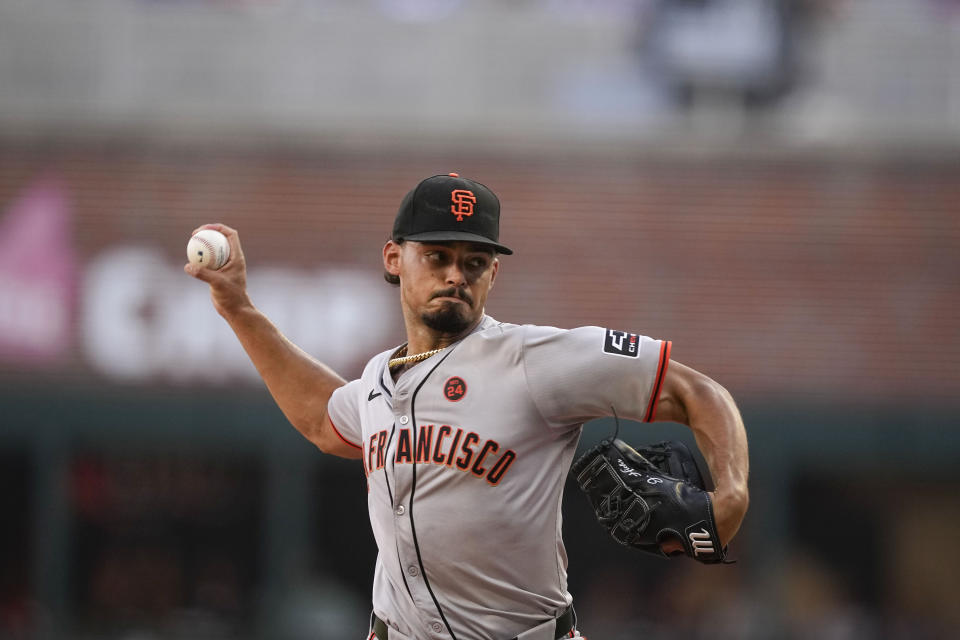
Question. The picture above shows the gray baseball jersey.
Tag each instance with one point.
(466, 456)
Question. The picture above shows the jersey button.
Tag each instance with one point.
(437, 627)
(404, 419)
(413, 571)
(400, 510)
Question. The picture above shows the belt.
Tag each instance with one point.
(564, 625)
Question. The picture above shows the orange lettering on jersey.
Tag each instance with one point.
(381, 449)
(490, 446)
(462, 203)
(498, 470)
(370, 449)
(442, 433)
(403, 447)
(424, 440)
(453, 448)
(463, 462)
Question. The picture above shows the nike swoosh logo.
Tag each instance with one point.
(373, 395)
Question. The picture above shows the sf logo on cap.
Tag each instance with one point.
(463, 201)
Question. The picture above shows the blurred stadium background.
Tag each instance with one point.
(772, 184)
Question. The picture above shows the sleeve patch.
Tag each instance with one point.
(621, 343)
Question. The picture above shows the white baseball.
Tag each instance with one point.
(209, 249)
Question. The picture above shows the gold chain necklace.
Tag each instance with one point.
(395, 362)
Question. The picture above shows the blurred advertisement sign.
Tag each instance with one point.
(137, 317)
(143, 318)
(37, 275)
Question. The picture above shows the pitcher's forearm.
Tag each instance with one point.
(721, 437)
(720, 434)
(693, 399)
(300, 384)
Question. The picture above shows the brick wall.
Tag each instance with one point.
(809, 278)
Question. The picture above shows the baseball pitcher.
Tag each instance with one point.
(466, 433)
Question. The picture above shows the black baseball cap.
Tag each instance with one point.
(448, 207)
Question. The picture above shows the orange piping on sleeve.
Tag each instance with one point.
(661, 373)
(340, 435)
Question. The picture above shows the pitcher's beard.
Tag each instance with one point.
(449, 319)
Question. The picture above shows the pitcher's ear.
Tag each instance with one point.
(391, 258)
(493, 276)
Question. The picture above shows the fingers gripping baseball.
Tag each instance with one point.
(228, 284)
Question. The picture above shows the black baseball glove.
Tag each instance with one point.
(647, 496)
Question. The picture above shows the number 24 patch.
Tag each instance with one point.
(454, 389)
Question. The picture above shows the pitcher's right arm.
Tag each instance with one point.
(300, 385)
